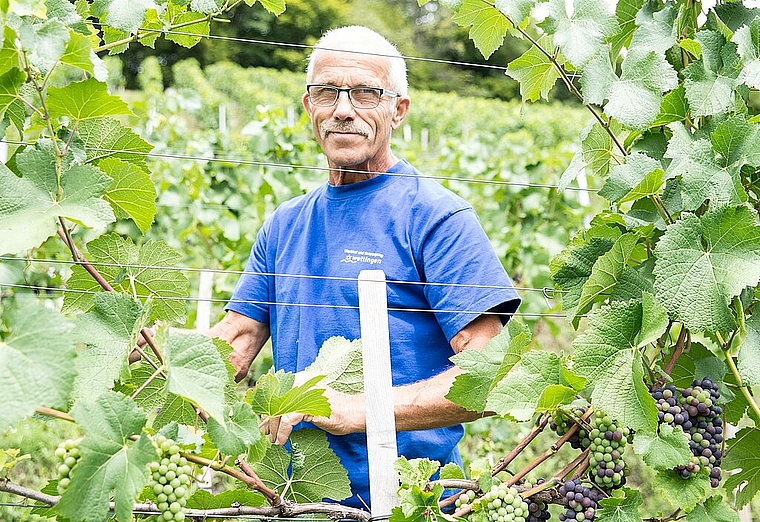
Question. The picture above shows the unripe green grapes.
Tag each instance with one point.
(501, 503)
(67, 455)
(170, 480)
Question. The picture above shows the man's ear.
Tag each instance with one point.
(306, 103)
(402, 109)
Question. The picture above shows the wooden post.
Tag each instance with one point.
(381, 423)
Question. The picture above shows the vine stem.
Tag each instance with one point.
(509, 457)
(680, 345)
(249, 477)
(50, 412)
(747, 395)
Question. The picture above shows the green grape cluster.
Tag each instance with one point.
(67, 455)
(606, 441)
(502, 503)
(562, 421)
(170, 480)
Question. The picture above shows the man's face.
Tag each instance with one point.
(355, 138)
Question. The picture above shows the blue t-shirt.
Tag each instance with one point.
(308, 255)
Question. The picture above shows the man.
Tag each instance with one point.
(448, 291)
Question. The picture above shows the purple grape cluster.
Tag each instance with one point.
(606, 441)
(581, 502)
(538, 511)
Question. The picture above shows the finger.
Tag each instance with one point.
(274, 430)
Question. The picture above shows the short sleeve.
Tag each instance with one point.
(463, 273)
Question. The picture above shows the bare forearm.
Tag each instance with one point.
(246, 337)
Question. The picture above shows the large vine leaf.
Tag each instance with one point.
(84, 100)
(714, 509)
(240, 430)
(621, 506)
(132, 192)
(748, 358)
(682, 493)
(483, 369)
(747, 40)
(109, 331)
(656, 30)
(639, 177)
(710, 81)
(275, 395)
(30, 205)
(157, 401)
(488, 25)
(111, 463)
(606, 354)
(743, 458)
(144, 271)
(36, 362)
(703, 262)
(535, 72)
(664, 449)
(340, 361)
(107, 138)
(320, 475)
(126, 15)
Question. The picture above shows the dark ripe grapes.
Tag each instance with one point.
(696, 412)
(67, 455)
(501, 503)
(581, 502)
(606, 441)
(170, 480)
(538, 511)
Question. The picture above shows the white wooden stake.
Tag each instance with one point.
(381, 423)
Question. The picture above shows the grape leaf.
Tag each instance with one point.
(43, 43)
(582, 35)
(639, 177)
(535, 72)
(685, 494)
(748, 358)
(674, 107)
(79, 54)
(276, 7)
(340, 361)
(743, 454)
(484, 368)
(415, 472)
(126, 15)
(204, 500)
(240, 430)
(190, 34)
(321, 476)
(517, 395)
(156, 400)
(31, 204)
(110, 461)
(737, 141)
(714, 509)
(488, 25)
(36, 363)
(654, 320)
(656, 30)
(621, 506)
(196, 371)
(67, 13)
(109, 138)
(665, 449)
(747, 40)
(709, 81)
(132, 192)
(607, 356)
(598, 147)
(702, 178)
(625, 11)
(146, 270)
(516, 10)
(418, 504)
(10, 83)
(275, 395)
(84, 100)
(205, 6)
(703, 262)
(109, 331)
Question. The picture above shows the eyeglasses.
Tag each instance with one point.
(360, 97)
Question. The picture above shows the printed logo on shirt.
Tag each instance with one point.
(359, 256)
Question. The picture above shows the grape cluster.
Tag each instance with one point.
(606, 441)
(67, 454)
(501, 503)
(537, 510)
(170, 480)
(582, 501)
(696, 412)
(562, 422)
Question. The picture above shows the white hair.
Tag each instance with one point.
(360, 39)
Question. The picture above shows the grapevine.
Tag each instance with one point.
(67, 454)
(582, 502)
(170, 480)
(606, 441)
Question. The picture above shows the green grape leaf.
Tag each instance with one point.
(703, 262)
(674, 107)
(665, 449)
(340, 361)
(748, 358)
(535, 73)
(452, 471)
(639, 177)
(66, 12)
(109, 138)
(30, 205)
(418, 504)
(714, 509)
(84, 100)
(110, 463)
(680, 492)
(607, 356)
(576, 166)
(109, 331)
(44, 43)
(747, 40)
(621, 506)
(240, 430)
(79, 54)
(126, 15)
(415, 472)
(488, 25)
(132, 192)
(484, 368)
(36, 362)
(112, 35)
(275, 395)
(656, 30)
(598, 150)
(516, 10)
(189, 35)
(152, 21)
(702, 178)
(147, 270)
(204, 500)
(195, 370)
(743, 453)
(625, 11)
(205, 6)
(606, 272)
(654, 320)
(276, 7)
(156, 400)
(584, 34)
(8, 56)
(737, 141)
(322, 475)
(10, 83)
(709, 82)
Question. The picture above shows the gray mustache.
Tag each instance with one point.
(327, 128)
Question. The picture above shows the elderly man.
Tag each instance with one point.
(448, 291)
